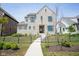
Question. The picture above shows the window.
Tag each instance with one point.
(45, 10)
(78, 20)
(50, 28)
(29, 27)
(26, 19)
(63, 29)
(41, 18)
(32, 19)
(25, 27)
(49, 18)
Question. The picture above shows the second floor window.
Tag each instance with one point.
(49, 18)
(32, 19)
(41, 18)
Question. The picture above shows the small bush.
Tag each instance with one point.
(1, 45)
(66, 44)
(74, 35)
(6, 45)
(14, 46)
(16, 35)
(25, 34)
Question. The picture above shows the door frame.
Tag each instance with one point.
(41, 28)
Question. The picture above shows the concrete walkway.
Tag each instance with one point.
(35, 47)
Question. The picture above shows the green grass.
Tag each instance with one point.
(24, 43)
(52, 40)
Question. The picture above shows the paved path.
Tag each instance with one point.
(35, 47)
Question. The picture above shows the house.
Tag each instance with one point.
(11, 26)
(43, 21)
(61, 27)
(68, 21)
(22, 27)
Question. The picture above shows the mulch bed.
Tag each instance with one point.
(57, 48)
(8, 52)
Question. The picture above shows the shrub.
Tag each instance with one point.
(16, 35)
(25, 34)
(66, 44)
(6, 45)
(75, 35)
(1, 45)
(14, 46)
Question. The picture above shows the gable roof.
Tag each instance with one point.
(68, 20)
(47, 7)
(39, 11)
(8, 14)
(60, 23)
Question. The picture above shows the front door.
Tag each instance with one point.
(41, 29)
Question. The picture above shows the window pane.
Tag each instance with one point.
(29, 27)
(41, 18)
(45, 10)
(26, 19)
(50, 28)
(32, 19)
(49, 18)
(25, 27)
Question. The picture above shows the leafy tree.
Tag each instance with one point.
(3, 20)
(71, 29)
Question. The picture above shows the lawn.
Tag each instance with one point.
(24, 43)
(53, 41)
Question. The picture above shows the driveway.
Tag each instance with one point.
(35, 48)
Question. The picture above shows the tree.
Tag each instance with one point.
(3, 20)
(71, 29)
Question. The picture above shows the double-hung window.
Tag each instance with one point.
(50, 28)
(49, 18)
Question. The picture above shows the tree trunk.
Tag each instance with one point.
(2, 30)
(70, 37)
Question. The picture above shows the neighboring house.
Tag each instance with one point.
(43, 21)
(11, 26)
(22, 27)
(68, 21)
(61, 28)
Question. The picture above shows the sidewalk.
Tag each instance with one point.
(35, 48)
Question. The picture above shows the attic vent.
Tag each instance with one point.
(45, 10)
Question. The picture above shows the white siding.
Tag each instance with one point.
(38, 22)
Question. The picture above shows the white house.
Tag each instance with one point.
(43, 21)
(68, 21)
(61, 27)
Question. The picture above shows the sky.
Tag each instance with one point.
(20, 10)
